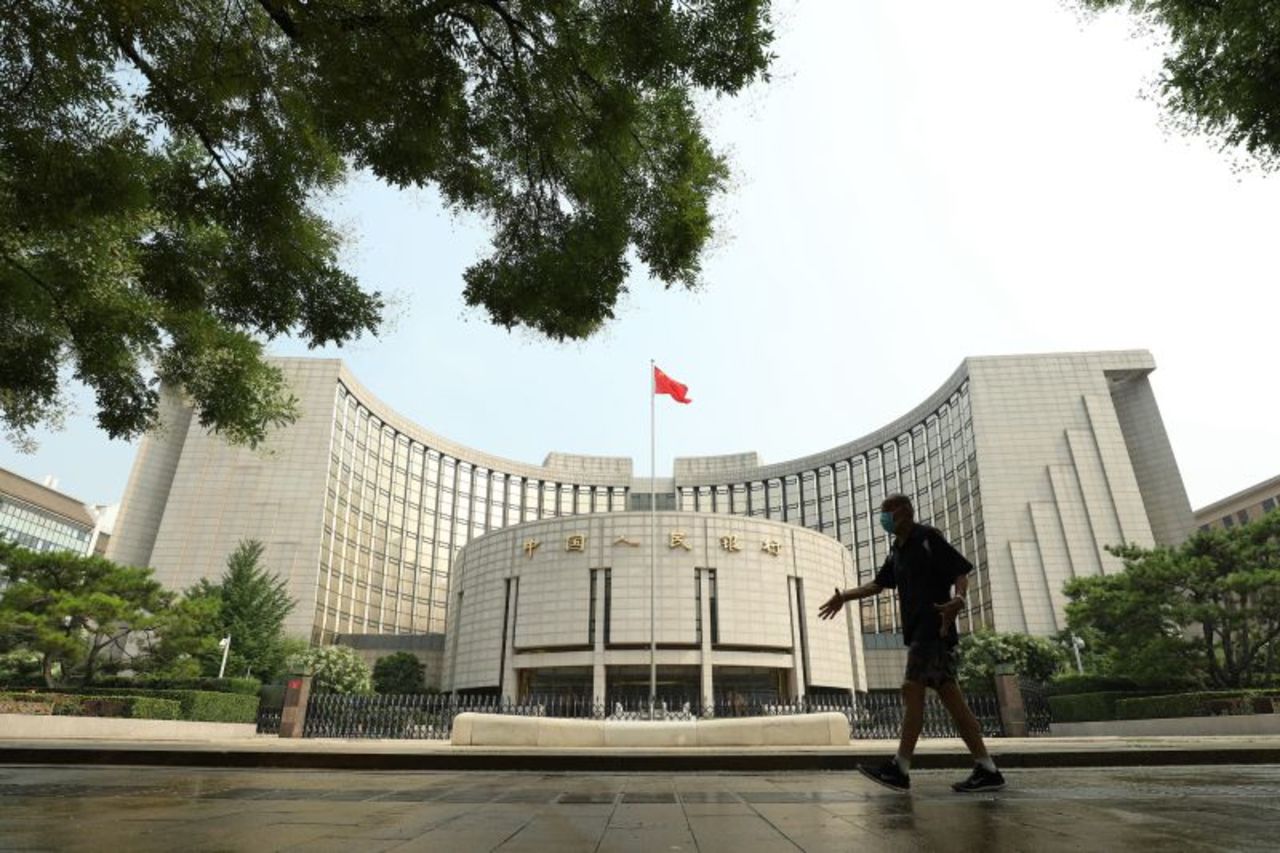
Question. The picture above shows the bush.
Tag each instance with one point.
(334, 669)
(13, 702)
(398, 674)
(982, 651)
(1201, 704)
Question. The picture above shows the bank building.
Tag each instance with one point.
(519, 579)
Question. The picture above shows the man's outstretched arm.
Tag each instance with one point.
(835, 603)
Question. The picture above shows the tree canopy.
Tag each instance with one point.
(69, 609)
(161, 165)
(1209, 608)
(1221, 73)
(398, 673)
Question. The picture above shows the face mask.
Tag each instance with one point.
(886, 521)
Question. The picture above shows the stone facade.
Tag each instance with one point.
(735, 607)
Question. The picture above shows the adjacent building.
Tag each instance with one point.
(39, 517)
(1032, 465)
(1244, 506)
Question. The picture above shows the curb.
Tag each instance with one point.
(628, 761)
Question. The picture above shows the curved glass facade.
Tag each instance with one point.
(397, 509)
(933, 461)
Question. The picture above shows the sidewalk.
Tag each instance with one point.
(268, 751)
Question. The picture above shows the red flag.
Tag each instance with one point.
(664, 384)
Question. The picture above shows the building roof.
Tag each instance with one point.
(1253, 494)
(47, 499)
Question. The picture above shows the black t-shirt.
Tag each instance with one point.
(923, 570)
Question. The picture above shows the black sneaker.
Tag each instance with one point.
(981, 779)
(888, 774)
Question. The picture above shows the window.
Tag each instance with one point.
(715, 614)
(1243, 516)
(591, 616)
(608, 600)
(1228, 521)
(1269, 504)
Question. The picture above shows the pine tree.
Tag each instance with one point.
(254, 607)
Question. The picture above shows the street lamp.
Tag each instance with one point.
(225, 645)
(1076, 645)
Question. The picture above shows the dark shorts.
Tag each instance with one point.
(932, 664)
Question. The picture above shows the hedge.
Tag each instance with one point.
(1071, 685)
(1201, 704)
(197, 705)
(132, 707)
(1088, 707)
(243, 686)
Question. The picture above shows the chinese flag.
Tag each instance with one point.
(664, 384)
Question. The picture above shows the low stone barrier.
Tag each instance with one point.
(45, 727)
(470, 729)
(1244, 724)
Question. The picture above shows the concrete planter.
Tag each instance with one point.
(44, 727)
(510, 730)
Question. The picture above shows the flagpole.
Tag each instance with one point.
(653, 533)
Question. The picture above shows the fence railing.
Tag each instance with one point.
(430, 716)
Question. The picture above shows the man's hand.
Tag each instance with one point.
(832, 606)
(948, 612)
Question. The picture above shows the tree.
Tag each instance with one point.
(252, 608)
(1209, 608)
(161, 164)
(1221, 75)
(69, 608)
(398, 673)
(334, 669)
(184, 643)
(1131, 623)
(1037, 658)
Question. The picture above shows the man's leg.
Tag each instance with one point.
(986, 776)
(913, 693)
(966, 722)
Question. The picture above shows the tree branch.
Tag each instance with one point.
(125, 43)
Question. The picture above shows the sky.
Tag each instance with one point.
(930, 180)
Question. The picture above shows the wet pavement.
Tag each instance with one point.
(162, 809)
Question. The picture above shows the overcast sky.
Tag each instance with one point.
(929, 179)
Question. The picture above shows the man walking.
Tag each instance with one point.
(923, 566)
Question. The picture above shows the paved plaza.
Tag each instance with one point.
(144, 809)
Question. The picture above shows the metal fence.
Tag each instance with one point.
(1035, 704)
(430, 716)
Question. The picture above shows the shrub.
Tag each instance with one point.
(982, 651)
(62, 704)
(1201, 704)
(34, 703)
(334, 669)
(398, 673)
(198, 705)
